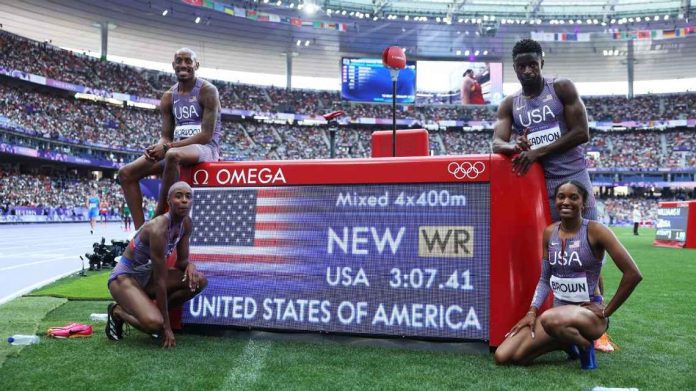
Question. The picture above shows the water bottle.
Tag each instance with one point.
(19, 339)
(98, 317)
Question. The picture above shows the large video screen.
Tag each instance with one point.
(398, 260)
(459, 82)
(672, 223)
(367, 80)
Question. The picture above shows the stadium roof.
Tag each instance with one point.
(602, 10)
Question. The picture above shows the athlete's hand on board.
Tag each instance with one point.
(523, 162)
(193, 277)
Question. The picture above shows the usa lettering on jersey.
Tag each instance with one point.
(185, 112)
(536, 116)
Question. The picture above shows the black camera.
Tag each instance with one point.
(105, 255)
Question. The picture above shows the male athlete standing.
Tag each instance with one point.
(92, 210)
(551, 123)
(191, 131)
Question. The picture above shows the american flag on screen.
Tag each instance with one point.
(241, 229)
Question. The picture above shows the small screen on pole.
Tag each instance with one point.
(368, 80)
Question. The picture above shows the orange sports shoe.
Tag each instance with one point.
(604, 344)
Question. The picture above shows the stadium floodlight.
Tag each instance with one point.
(656, 18)
(666, 17)
(292, 5)
(406, 17)
(476, 53)
(279, 3)
(459, 52)
(165, 12)
(485, 52)
(299, 42)
(306, 43)
(630, 20)
(198, 19)
(638, 19)
(437, 19)
(344, 12)
(612, 21)
(466, 52)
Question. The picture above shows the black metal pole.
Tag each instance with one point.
(394, 117)
(332, 141)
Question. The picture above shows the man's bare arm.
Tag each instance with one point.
(502, 130)
(167, 133)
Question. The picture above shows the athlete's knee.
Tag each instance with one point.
(152, 322)
(173, 156)
(551, 322)
(503, 357)
(126, 174)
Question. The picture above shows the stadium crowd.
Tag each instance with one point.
(54, 194)
(50, 119)
(44, 59)
(78, 122)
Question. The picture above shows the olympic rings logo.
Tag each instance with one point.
(466, 169)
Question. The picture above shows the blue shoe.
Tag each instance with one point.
(573, 352)
(587, 357)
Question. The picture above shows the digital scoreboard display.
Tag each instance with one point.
(367, 80)
(672, 223)
(374, 259)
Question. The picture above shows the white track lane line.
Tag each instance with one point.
(247, 367)
(36, 286)
(2, 269)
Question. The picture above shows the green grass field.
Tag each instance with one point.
(655, 330)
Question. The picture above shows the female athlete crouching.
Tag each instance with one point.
(573, 253)
(141, 274)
